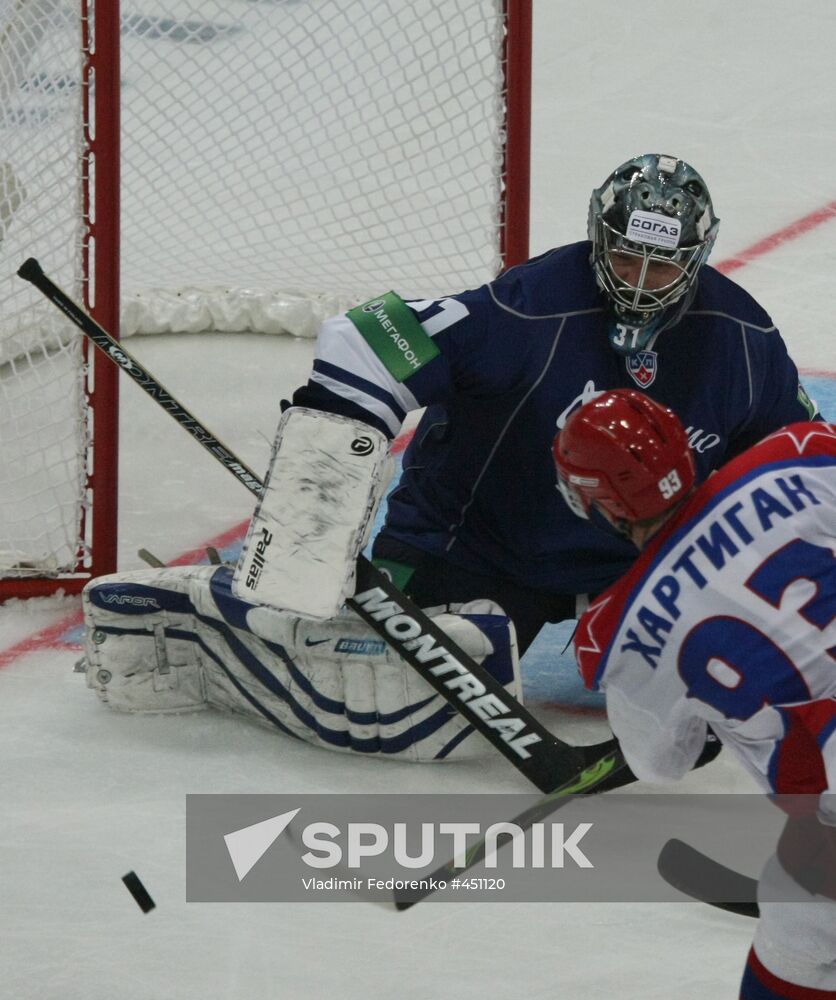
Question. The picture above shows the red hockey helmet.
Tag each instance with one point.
(626, 454)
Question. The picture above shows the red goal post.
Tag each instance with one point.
(199, 165)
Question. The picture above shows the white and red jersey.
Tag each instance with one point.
(728, 618)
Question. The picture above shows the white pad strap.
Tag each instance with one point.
(327, 476)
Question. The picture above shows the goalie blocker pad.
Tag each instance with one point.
(177, 639)
(326, 478)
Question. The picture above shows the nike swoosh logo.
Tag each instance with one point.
(315, 642)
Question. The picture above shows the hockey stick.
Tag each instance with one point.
(604, 767)
(31, 271)
(588, 780)
(701, 877)
(548, 762)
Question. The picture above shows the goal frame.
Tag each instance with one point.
(99, 181)
(99, 251)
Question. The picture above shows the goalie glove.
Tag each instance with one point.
(326, 479)
(625, 776)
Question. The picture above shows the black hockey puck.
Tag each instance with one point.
(139, 892)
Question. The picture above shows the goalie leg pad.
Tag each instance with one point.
(326, 478)
(140, 652)
(334, 684)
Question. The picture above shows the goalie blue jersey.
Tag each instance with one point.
(500, 368)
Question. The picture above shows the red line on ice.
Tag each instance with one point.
(778, 238)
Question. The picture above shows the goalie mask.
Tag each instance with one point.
(626, 455)
(653, 220)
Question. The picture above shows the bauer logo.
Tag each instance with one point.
(361, 647)
(654, 229)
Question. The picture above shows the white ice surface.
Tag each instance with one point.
(89, 795)
(748, 94)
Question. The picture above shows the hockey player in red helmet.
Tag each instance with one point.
(709, 625)
(629, 457)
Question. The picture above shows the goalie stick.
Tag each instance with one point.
(701, 877)
(548, 762)
(595, 774)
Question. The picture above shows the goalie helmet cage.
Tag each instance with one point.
(280, 161)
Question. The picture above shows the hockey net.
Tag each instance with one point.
(281, 160)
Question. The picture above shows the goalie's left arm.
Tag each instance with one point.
(329, 469)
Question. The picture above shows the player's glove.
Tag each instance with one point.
(625, 776)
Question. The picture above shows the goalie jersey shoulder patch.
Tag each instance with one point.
(393, 332)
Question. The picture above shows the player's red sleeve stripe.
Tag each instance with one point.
(760, 984)
(799, 768)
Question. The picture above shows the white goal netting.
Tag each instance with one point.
(43, 413)
(281, 160)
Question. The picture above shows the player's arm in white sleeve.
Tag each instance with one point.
(330, 464)
(659, 748)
